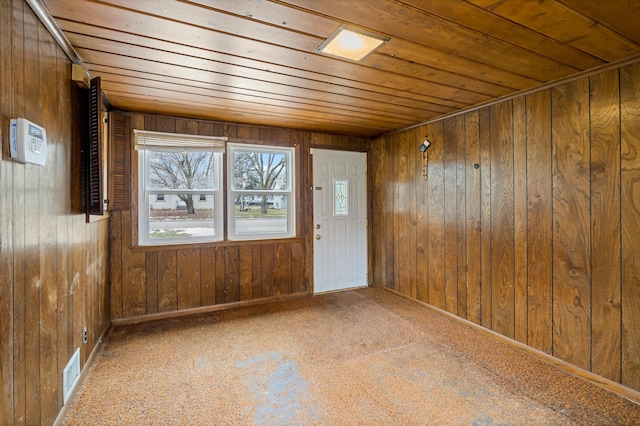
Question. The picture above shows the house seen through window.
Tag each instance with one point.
(260, 196)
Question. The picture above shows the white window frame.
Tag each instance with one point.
(166, 142)
(290, 155)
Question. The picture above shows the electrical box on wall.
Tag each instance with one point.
(28, 141)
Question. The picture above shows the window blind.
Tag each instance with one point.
(146, 139)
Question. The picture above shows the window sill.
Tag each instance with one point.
(226, 243)
(97, 218)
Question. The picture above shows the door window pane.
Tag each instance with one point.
(340, 197)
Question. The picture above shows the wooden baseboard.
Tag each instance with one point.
(83, 375)
(600, 381)
(206, 309)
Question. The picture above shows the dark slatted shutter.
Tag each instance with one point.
(79, 138)
(119, 166)
(95, 198)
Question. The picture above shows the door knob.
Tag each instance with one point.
(318, 237)
(317, 226)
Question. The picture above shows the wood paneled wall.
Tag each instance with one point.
(53, 266)
(527, 223)
(157, 280)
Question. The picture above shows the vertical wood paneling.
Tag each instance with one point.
(545, 226)
(232, 274)
(62, 224)
(605, 224)
(89, 289)
(220, 280)
(389, 212)
(520, 217)
(298, 280)
(130, 216)
(282, 270)
(32, 235)
(49, 238)
(413, 174)
(422, 222)
(115, 259)
(630, 99)
(134, 292)
(188, 273)
(151, 277)
(208, 276)
(461, 217)
(186, 126)
(472, 229)
(266, 270)
(378, 179)
(302, 272)
(105, 312)
(402, 215)
(436, 215)
(449, 146)
(502, 220)
(167, 281)
(539, 221)
(246, 272)
(484, 126)
(78, 236)
(6, 248)
(299, 140)
(572, 224)
(53, 274)
(256, 290)
(17, 192)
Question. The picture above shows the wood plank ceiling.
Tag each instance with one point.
(255, 61)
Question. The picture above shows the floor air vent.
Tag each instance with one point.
(70, 375)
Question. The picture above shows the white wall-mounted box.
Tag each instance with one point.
(28, 141)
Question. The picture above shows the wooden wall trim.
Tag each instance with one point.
(225, 243)
(206, 309)
(52, 26)
(590, 377)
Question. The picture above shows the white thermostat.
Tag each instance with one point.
(28, 141)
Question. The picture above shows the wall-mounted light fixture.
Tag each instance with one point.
(351, 43)
(425, 163)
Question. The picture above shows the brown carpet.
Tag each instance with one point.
(352, 358)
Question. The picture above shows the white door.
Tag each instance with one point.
(340, 220)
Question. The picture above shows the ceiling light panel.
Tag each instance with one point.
(352, 44)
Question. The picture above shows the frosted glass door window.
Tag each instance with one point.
(340, 197)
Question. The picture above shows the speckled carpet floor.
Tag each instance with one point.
(362, 357)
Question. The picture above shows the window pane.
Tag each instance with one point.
(181, 170)
(259, 170)
(257, 214)
(178, 217)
